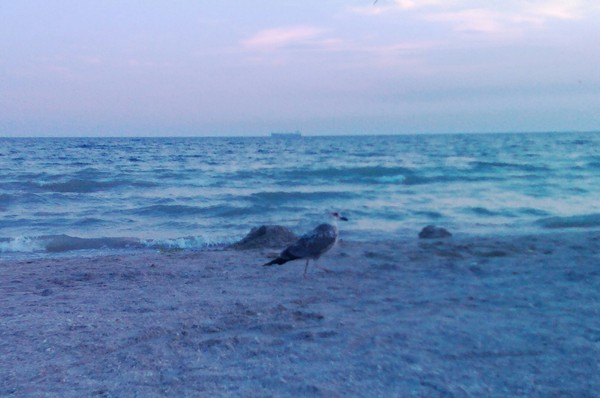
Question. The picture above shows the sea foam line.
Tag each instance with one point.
(66, 243)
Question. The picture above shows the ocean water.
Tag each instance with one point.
(67, 194)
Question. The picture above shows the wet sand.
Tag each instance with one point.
(468, 316)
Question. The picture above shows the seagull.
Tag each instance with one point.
(311, 245)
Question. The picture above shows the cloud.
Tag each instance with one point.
(565, 9)
(507, 17)
(412, 4)
(385, 6)
(274, 38)
(265, 48)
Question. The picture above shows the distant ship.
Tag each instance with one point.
(295, 134)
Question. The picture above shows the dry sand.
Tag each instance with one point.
(460, 317)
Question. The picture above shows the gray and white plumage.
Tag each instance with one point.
(311, 245)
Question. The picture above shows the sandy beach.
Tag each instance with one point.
(468, 316)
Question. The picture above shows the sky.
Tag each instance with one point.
(327, 67)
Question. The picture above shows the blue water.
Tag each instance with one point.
(61, 194)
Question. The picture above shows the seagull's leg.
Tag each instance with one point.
(306, 267)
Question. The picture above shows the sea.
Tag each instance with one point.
(82, 195)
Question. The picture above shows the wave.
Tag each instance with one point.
(186, 243)
(79, 186)
(389, 175)
(89, 186)
(21, 244)
(504, 213)
(433, 215)
(88, 221)
(282, 196)
(528, 211)
(501, 166)
(168, 210)
(593, 165)
(350, 173)
(66, 243)
(415, 179)
(262, 202)
(386, 175)
(230, 212)
(578, 221)
(484, 212)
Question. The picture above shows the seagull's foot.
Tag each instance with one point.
(324, 269)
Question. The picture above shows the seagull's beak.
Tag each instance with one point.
(343, 219)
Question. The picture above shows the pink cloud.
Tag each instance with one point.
(565, 9)
(281, 37)
(505, 19)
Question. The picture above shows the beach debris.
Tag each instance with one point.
(433, 232)
(266, 237)
(311, 245)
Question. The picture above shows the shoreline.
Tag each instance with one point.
(466, 316)
(67, 246)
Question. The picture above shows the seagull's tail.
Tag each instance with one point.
(277, 261)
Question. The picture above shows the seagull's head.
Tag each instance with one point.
(338, 216)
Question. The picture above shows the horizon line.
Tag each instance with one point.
(311, 135)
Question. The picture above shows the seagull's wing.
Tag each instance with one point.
(314, 243)
(310, 246)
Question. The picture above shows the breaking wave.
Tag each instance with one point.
(579, 221)
(66, 243)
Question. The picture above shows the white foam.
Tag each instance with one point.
(186, 243)
(22, 244)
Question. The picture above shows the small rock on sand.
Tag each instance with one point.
(266, 237)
